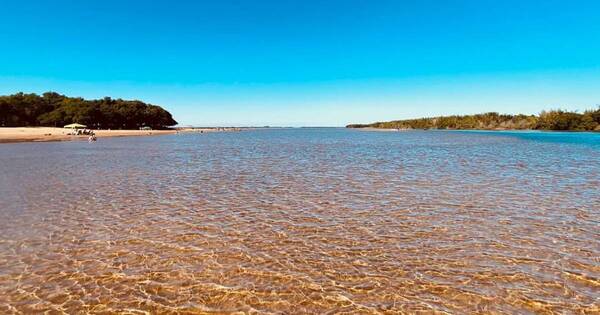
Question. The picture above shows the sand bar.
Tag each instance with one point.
(43, 134)
(381, 129)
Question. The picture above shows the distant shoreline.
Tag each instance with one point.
(552, 120)
(449, 129)
(374, 129)
(51, 134)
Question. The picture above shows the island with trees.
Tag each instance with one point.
(546, 120)
(55, 110)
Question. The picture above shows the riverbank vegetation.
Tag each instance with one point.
(546, 120)
(55, 110)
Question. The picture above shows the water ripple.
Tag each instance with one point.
(302, 221)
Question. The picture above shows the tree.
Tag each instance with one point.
(53, 109)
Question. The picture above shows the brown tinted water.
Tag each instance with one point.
(303, 221)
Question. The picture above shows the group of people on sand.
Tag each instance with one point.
(90, 133)
(83, 132)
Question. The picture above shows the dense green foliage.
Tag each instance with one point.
(547, 120)
(53, 109)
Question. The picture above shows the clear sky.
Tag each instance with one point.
(296, 63)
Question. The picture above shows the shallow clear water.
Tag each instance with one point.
(303, 221)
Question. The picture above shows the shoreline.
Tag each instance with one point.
(53, 134)
(381, 129)
(495, 129)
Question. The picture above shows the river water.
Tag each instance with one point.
(303, 221)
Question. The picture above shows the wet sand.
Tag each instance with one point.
(44, 134)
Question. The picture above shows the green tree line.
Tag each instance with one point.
(56, 110)
(546, 120)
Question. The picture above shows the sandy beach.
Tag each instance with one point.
(43, 134)
(381, 129)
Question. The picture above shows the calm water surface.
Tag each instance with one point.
(303, 221)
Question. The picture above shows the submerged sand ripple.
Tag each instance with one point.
(305, 221)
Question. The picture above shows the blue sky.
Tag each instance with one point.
(308, 62)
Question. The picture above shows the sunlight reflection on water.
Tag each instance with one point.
(303, 221)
